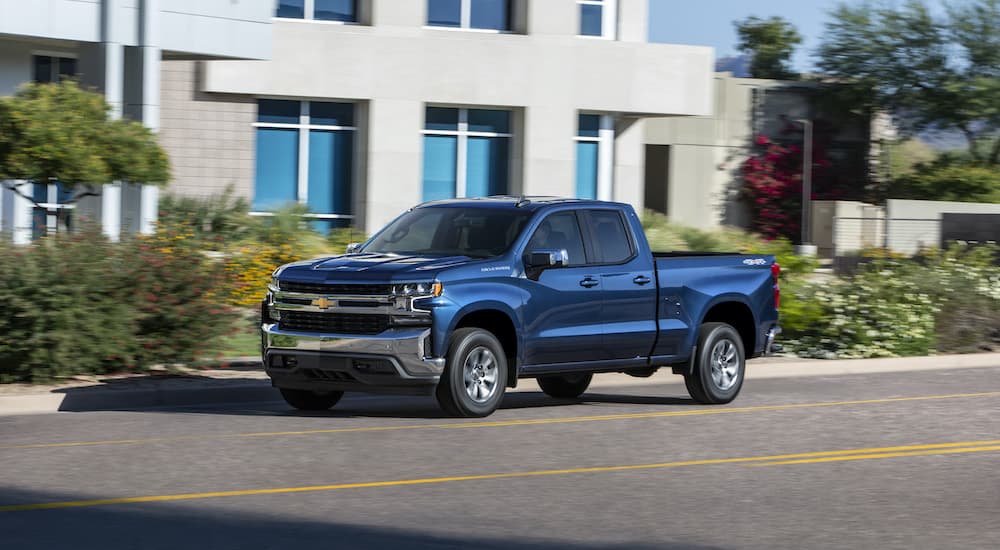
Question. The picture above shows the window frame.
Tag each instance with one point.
(462, 135)
(309, 14)
(303, 127)
(465, 19)
(592, 237)
(609, 19)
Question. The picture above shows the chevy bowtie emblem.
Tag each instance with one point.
(323, 303)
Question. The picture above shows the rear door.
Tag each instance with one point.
(628, 286)
(562, 320)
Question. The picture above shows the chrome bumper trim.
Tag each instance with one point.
(404, 348)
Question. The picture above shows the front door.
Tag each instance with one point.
(562, 319)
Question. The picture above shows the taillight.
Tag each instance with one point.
(775, 273)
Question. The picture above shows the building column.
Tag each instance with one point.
(606, 158)
(628, 162)
(395, 160)
(111, 211)
(149, 40)
(15, 214)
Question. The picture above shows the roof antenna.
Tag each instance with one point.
(521, 201)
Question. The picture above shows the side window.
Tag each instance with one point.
(560, 231)
(610, 236)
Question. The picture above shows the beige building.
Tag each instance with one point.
(367, 107)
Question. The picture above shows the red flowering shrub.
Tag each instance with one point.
(773, 184)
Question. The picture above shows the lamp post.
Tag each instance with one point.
(806, 248)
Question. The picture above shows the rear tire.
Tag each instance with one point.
(565, 386)
(306, 400)
(719, 365)
(475, 374)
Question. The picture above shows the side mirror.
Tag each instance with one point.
(353, 247)
(545, 259)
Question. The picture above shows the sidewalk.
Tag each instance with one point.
(245, 382)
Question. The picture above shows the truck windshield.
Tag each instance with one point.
(451, 231)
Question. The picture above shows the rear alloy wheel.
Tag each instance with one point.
(719, 365)
(475, 375)
(306, 400)
(565, 386)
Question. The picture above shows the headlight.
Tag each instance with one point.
(273, 285)
(417, 289)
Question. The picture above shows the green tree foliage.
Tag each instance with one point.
(931, 72)
(62, 133)
(948, 178)
(771, 43)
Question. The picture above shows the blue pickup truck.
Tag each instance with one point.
(461, 298)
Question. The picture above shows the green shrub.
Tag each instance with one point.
(66, 308)
(77, 304)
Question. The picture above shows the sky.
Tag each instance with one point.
(710, 23)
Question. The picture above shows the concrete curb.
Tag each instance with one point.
(256, 388)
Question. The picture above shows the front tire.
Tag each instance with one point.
(719, 365)
(475, 374)
(565, 386)
(306, 400)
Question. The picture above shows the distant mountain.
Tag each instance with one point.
(739, 65)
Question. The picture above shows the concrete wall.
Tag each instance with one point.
(209, 136)
(913, 225)
(842, 227)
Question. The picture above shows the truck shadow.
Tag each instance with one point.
(418, 407)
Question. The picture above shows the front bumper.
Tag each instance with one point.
(395, 361)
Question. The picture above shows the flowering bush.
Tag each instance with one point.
(773, 182)
(941, 301)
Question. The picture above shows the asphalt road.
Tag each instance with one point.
(898, 460)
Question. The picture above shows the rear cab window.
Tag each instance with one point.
(610, 237)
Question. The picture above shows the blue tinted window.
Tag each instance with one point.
(490, 14)
(277, 173)
(590, 19)
(586, 169)
(294, 9)
(444, 13)
(486, 166)
(441, 118)
(278, 110)
(589, 125)
(331, 114)
(335, 10)
(440, 153)
(489, 120)
(330, 163)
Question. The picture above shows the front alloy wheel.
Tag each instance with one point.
(475, 374)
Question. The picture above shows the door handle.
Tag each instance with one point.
(642, 280)
(588, 282)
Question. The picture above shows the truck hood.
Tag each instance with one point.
(371, 267)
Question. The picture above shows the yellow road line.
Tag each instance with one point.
(510, 423)
(879, 455)
(797, 458)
